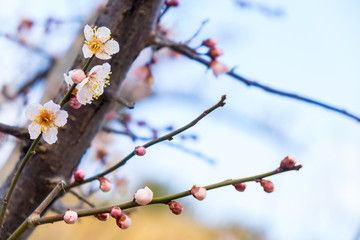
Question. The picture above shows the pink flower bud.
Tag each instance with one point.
(74, 103)
(70, 217)
(172, 3)
(176, 207)
(215, 52)
(115, 212)
(288, 162)
(105, 184)
(240, 186)
(210, 43)
(198, 192)
(140, 151)
(218, 68)
(143, 196)
(77, 76)
(79, 175)
(267, 185)
(102, 216)
(123, 221)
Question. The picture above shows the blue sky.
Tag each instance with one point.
(311, 50)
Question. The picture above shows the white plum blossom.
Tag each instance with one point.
(45, 119)
(93, 86)
(98, 42)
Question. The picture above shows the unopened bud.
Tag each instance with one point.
(143, 196)
(79, 175)
(210, 43)
(102, 216)
(74, 102)
(267, 185)
(70, 217)
(105, 184)
(175, 207)
(218, 68)
(215, 52)
(140, 151)
(288, 162)
(172, 3)
(198, 192)
(123, 221)
(115, 212)
(77, 76)
(240, 186)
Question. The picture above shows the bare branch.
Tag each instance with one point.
(191, 53)
(18, 132)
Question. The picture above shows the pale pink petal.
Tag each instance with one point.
(95, 69)
(50, 135)
(61, 118)
(50, 105)
(85, 81)
(34, 130)
(218, 68)
(103, 34)
(86, 51)
(102, 56)
(67, 78)
(111, 47)
(88, 32)
(33, 110)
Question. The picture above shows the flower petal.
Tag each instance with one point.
(103, 71)
(102, 56)
(61, 118)
(111, 47)
(88, 32)
(83, 96)
(50, 135)
(34, 130)
(103, 34)
(50, 105)
(67, 78)
(33, 110)
(86, 51)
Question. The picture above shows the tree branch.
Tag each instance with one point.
(161, 42)
(168, 136)
(18, 132)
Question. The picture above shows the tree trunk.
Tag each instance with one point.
(131, 23)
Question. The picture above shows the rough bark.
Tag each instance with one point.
(131, 22)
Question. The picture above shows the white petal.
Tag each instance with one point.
(88, 32)
(50, 105)
(67, 78)
(50, 136)
(102, 56)
(103, 71)
(61, 118)
(111, 47)
(33, 110)
(82, 97)
(103, 34)
(86, 51)
(95, 69)
(34, 130)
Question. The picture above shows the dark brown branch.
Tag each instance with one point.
(160, 42)
(18, 132)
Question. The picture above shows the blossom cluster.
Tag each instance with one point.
(89, 86)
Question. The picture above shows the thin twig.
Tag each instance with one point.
(191, 53)
(168, 136)
(197, 32)
(81, 198)
(165, 199)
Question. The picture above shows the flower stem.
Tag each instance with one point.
(28, 155)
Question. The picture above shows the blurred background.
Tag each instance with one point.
(310, 48)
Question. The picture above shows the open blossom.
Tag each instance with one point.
(93, 86)
(45, 119)
(98, 42)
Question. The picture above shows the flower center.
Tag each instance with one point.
(95, 45)
(46, 118)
